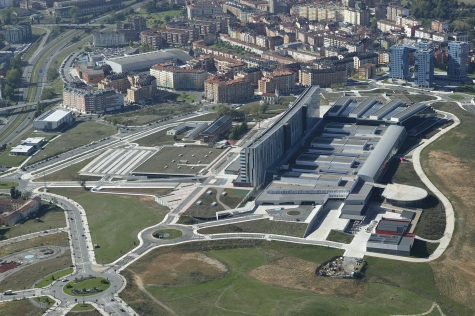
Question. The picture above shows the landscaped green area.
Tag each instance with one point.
(44, 300)
(420, 97)
(6, 185)
(60, 239)
(13, 160)
(48, 217)
(337, 236)
(34, 272)
(264, 226)
(115, 220)
(158, 15)
(150, 114)
(38, 36)
(69, 173)
(20, 308)
(269, 278)
(255, 110)
(82, 307)
(181, 97)
(456, 97)
(203, 207)
(167, 234)
(56, 276)
(86, 287)
(81, 134)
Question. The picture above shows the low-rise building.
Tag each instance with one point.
(170, 76)
(219, 89)
(108, 39)
(215, 129)
(14, 211)
(53, 119)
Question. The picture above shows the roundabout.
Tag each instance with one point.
(86, 286)
(167, 234)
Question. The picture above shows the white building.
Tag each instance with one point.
(108, 39)
(53, 119)
(140, 61)
(28, 146)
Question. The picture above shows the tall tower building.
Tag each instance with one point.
(272, 6)
(457, 66)
(399, 61)
(424, 64)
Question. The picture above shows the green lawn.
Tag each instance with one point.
(5, 185)
(87, 284)
(340, 237)
(56, 276)
(49, 216)
(44, 299)
(181, 97)
(456, 97)
(158, 15)
(115, 220)
(20, 308)
(174, 233)
(12, 160)
(69, 173)
(79, 135)
(82, 307)
(239, 292)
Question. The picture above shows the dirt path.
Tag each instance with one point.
(434, 305)
(141, 287)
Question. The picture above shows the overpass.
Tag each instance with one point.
(19, 106)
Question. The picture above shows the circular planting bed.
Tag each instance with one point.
(167, 233)
(293, 213)
(86, 286)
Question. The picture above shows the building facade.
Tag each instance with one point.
(172, 77)
(424, 65)
(457, 66)
(118, 82)
(219, 89)
(86, 101)
(109, 39)
(280, 79)
(18, 34)
(399, 62)
(142, 88)
(14, 211)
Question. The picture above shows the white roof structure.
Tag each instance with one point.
(21, 149)
(140, 61)
(33, 141)
(54, 116)
(403, 193)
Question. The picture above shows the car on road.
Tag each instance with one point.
(45, 231)
(64, 280)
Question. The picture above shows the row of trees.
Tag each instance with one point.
(17, 194)
(13, 77)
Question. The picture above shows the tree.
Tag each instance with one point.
(74, 13)
(167, 18)
(13, 77)
(8, 92)
(14, 193)
(191, 52)
(52, 74)
(25, 195)
(264, 107)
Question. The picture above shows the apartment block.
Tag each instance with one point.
(87, 101)
(170, 76)
(280, 79)
(219, 89)
(457, 67)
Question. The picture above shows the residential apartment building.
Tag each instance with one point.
(119, 82)
(457, 67)
(152, 38)
(439, 26)
(219, 89)
(424, 65)
(14, 211)
(280, 79)
(87, 101)
(399, 61)
(170, 76)
(108, 39)
(18, 34)
(324, 77)
(142, 88)
(132, 28)
(156, 37)
(203, 8)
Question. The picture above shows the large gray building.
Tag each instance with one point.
(53, 119)
(18, 33)
(285, 133)
(140, 61)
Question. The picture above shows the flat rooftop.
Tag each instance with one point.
(404, 193)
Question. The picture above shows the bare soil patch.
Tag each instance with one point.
(299, 274)
(181, 269)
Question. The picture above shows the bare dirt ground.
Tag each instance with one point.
(299, 274)
(181, 269)
(455, 270)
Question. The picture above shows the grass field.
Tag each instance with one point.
(81, 134)
(6, 185)
(155, 191)
(49, 216)
(340, 237)
(87, 313)
(270, 278)
(87, 284)
(12, 160)
(158, 15)
(264, 226)
(20, 308)
(69, 173)
(456, 97)
(82, 307)
(174, 233)
(114, 220)
(44, 299)
(157, 139)
(31, 274)
(183, 97)
(205, 209)
(198, 157)
(420, 97)
(252, 110)
(60, 239)
(55, 276)
(150, 114)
